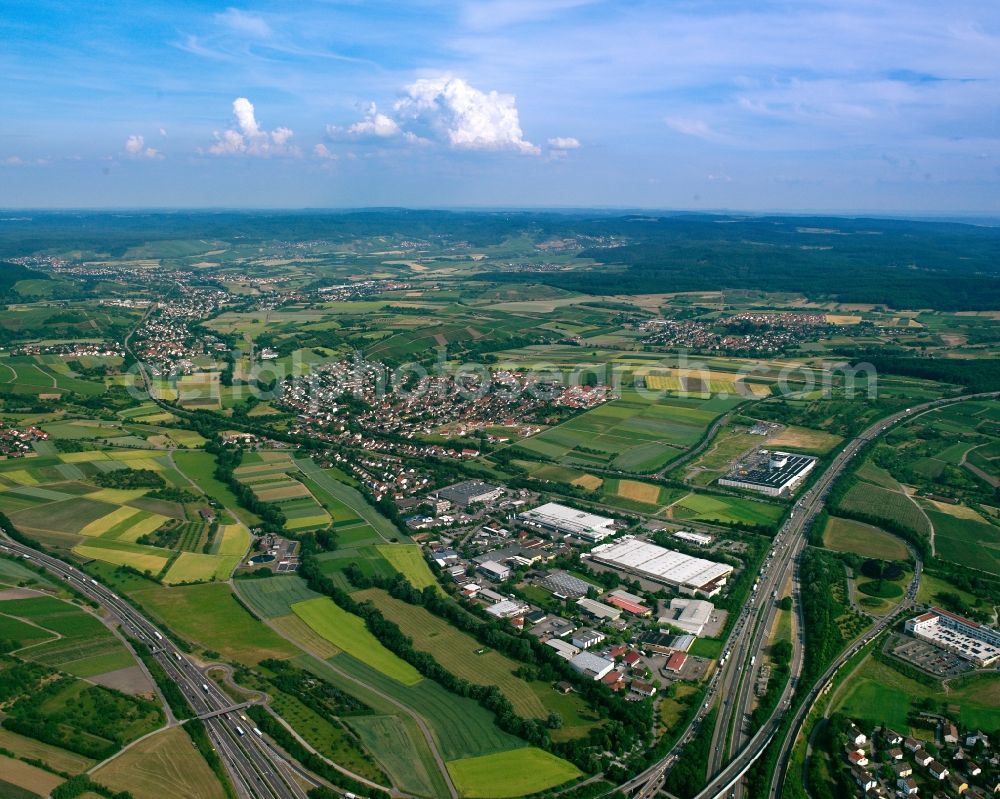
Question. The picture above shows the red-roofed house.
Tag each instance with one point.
(676, 661)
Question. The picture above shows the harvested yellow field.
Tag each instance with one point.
(165, 764)
(300, 633)
(105, 523)
(660, 382)
(117, 496)
(590, 482)
(137, 560)
(143, 527)
(641, 492)
(290, 490)
(22, 477)
(196, 567)
(957, 511)
(842, 319)
(59, 759)
(753, 389)
(804, 438)
(28, 777)
(145, 463)
(235, 539)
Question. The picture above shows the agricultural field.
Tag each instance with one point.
(464, 657)
(209, 615)
(630, 434)
(56, 759)
(725, 510)
(408, 560)
(20, 780)
(62, 636)
(968, 542)
(352, 499)
(509, 774)
(348, 633)
(391, 740)
(729, 443)
(883, 505)
(635, 495)
(802, 439)
(846, 535)
(164, 763)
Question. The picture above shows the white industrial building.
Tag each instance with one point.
(598, 609)
(689, 615)
(770, 473)
(592, 665)
(973, 641)
(700, 539)
(565, 650)
(687, 574)
(569, 521)
(493, 570)
(507, 609)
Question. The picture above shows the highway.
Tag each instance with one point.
(733, 682)
(258, 770)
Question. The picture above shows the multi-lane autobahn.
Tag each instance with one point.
(258, 770)
(732, 755)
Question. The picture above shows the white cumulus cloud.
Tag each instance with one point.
(135, 147)
(375, 125)
(564, 143)
(248, 138)
(324, 152)
(466, 117)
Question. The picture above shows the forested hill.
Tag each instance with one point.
(899, 264)
(12, 273)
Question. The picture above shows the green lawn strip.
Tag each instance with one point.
(348, 632)
(510, 774)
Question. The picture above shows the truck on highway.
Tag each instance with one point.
(158, 636)
(204, 687)
(240, 731)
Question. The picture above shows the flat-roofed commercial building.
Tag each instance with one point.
(569, 521)
(770, 473)
(689, 575)
(973, 641)
(468, 492)
(700, 539)
(598, 609)
(592, 665)
(689, 615)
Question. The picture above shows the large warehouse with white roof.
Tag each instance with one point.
(573, 522)
(683, 572)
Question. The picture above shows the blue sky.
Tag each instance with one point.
(840, 105)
